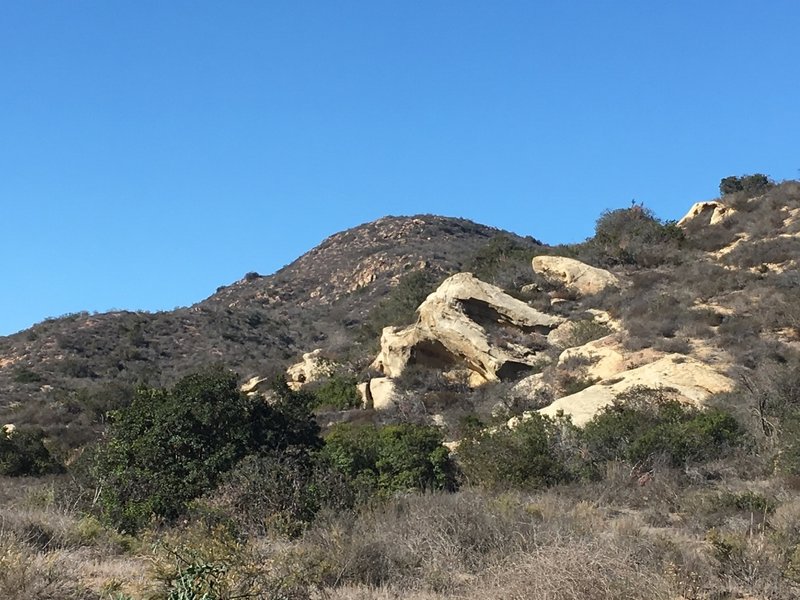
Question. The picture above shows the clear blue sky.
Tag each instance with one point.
(152, 151)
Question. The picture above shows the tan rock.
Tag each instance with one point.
(379, 393)
(313, 367)
(8, 429)
(574, 275)
(467, 323)
(252, 385)
(706, 213)
(603, 358)
(692, 380)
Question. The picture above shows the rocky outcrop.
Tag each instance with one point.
(692, 381)
(254, 385)
(313, 367)
(468, 323)
(706, 213)
(378, 393)
(574, 275)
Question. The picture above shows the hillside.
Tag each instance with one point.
(70, 369)
(480, 416)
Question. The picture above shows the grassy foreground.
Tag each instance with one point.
(672, 534)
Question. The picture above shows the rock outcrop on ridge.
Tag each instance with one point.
(467, 323)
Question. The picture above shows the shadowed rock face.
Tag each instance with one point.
(468, 323)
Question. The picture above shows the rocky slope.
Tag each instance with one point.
(255, 325)
(639, 303)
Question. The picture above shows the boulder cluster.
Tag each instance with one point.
(475, 332)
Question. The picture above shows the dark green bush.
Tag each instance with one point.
(523, 457)
(22, 452)
(644, 424)
(338, 392)
(752, 185)
(395, 458)
(173, 445)
(25, 375)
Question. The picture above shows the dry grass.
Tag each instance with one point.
(680, 535)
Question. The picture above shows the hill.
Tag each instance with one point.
(64, 373)
(612, 419)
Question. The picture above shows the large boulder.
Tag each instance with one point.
(574, 275)
(378, 393)
(313, 367)
(602, 358)
(706, 213)
(468, 323)
(692, 381)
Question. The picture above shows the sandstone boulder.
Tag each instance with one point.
(603, 358)
(313, 367)
(468, 323)
(379, 393)
(692, 380)
(8, 429)
(574, 275)
(706, 213)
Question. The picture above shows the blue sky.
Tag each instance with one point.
(153, 150)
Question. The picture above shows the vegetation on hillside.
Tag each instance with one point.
(179, 486)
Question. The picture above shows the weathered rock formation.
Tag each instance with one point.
(313, 367)
(706, 213)
(574, 275)
(378, 393)
(468, 323)
(692, 381)
(254, 385)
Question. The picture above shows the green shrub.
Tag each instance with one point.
(644, 424)
(752, 185)
(23, 452)
(172, 445)
(25, 375)
(391, 459)
(338, 392)
(523, 457)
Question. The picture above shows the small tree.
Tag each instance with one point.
(751, 185)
